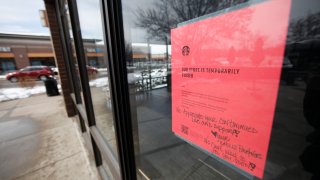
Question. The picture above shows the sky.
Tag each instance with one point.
(22, 16)
(90, 18)
(19, 16)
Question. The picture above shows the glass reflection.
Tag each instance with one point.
(73, 56)
(294, 138)
(292, 152)
(96, 63)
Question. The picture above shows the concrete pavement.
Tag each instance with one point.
(39, 141)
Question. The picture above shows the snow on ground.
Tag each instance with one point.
(159, 86)
(19, 92)
(100, 82)
(103, 71)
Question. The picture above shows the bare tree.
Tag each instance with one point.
(305, 28)
(166, 14)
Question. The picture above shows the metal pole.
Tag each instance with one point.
(149, 58)
(167, 54)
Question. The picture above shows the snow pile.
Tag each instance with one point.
(103, 71)
(18, 93)
(21, 92)
(133, 77)
(100, 82)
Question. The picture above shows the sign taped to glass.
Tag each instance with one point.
(225, 79)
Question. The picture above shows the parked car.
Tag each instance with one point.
(30, 72)
(92, 70)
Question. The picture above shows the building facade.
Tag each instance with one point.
(240, 98)
(20, 50)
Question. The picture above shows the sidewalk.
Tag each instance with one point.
(39, 141)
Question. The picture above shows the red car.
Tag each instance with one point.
(33, 72)
(92, 70)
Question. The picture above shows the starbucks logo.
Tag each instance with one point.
(185, 50)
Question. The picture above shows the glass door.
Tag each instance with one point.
(218, 89)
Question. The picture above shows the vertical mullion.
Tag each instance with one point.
(113, 28)
(75, 83)
(76, 31)
(66, 49)
(74, 18)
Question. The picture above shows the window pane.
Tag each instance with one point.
(7, 65)
(74, 68)
(243, 75)
(94, 47)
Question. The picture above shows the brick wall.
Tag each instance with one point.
(32, 49)
(21, 57)
(60, 61)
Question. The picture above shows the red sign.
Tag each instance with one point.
(225, 79)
